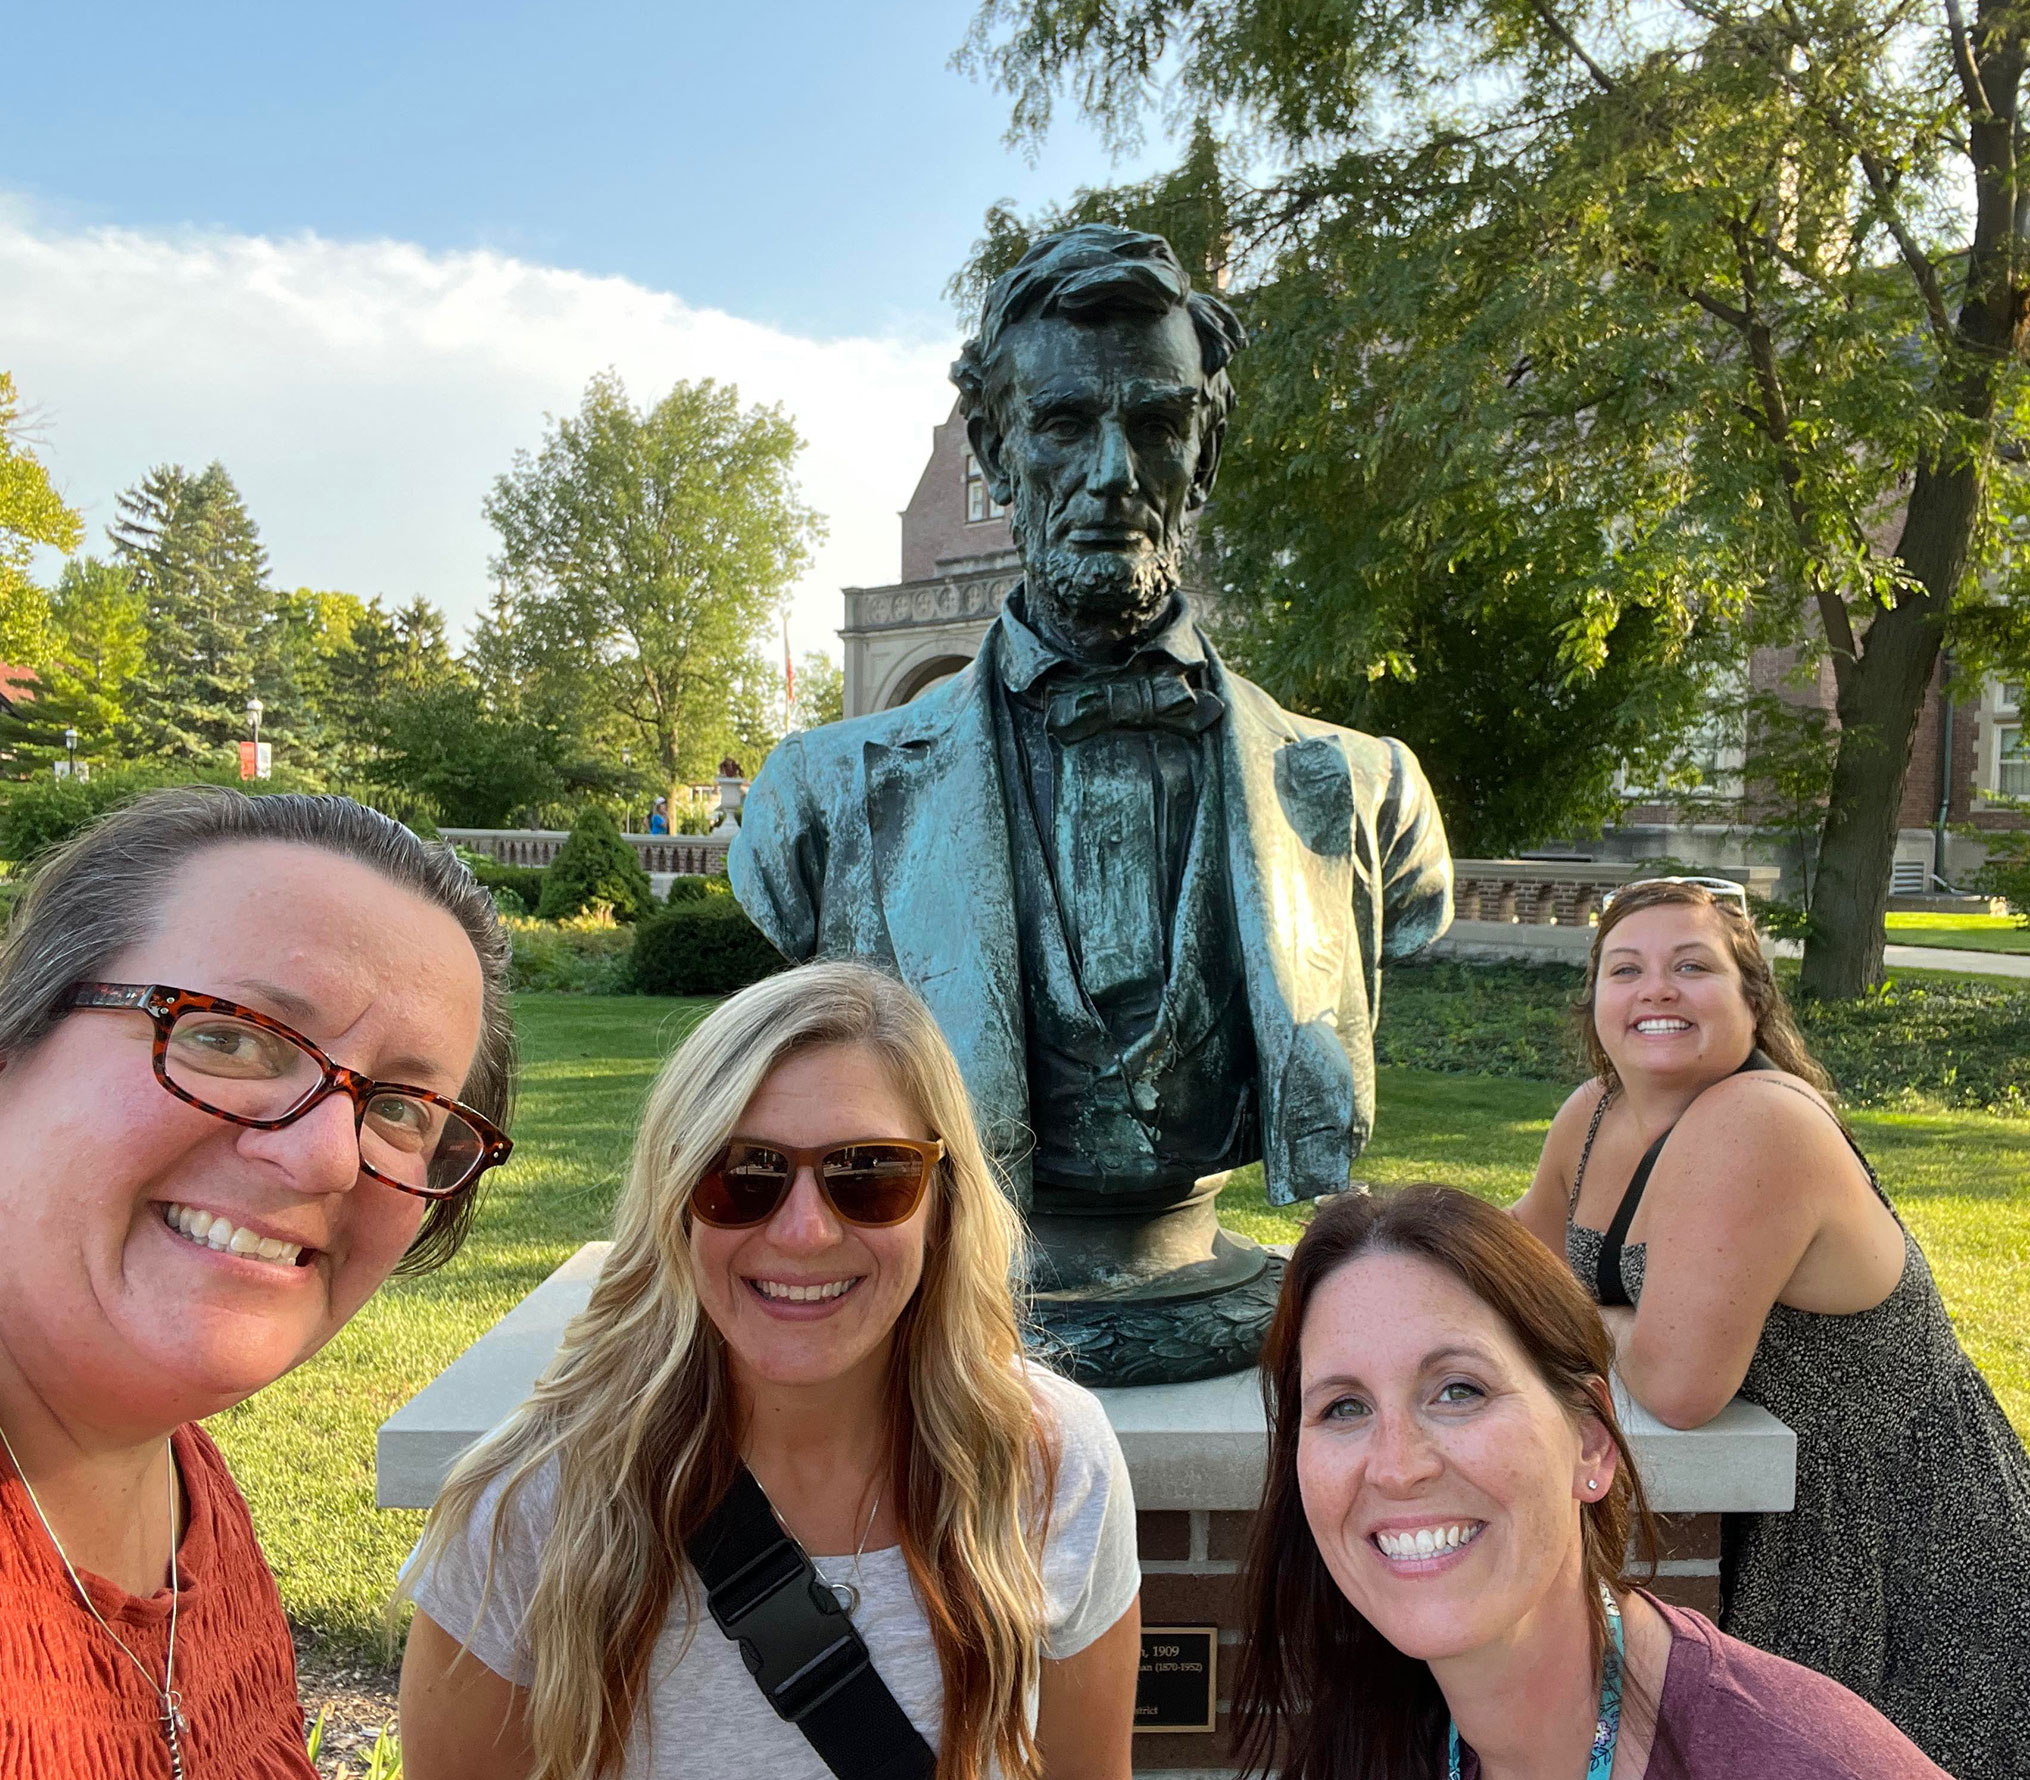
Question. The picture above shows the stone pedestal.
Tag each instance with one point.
(1196, 1454)
(1140, 1297)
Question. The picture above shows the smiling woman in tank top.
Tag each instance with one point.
(1708, 1196)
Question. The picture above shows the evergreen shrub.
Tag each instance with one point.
(689, 888)
(706, 947)
(595, 865)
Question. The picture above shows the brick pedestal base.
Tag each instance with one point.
(1191, 1564)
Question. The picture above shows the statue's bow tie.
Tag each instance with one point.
(1163, 700)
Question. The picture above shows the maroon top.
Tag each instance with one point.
(1737, 1713)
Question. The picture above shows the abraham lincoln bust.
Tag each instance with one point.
(1148, 906)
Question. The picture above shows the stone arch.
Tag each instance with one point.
(921, 676)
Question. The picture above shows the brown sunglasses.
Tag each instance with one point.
(249, 1069)
(870, 1181)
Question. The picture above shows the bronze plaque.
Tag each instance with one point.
(1178, 1687)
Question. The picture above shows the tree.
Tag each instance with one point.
(31, 513)
(644, 556)
(820, 691)
(471, 766)
(92, 648)
(1746, 282)
(197, 558)
(99, 622)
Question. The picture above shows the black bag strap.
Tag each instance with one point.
(803, 1650)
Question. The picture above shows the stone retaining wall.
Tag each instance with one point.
(682, 855)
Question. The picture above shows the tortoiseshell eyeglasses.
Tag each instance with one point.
(243, 1067)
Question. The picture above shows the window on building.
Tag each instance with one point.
(2012, 760)
(979, 503)
(2009, 697)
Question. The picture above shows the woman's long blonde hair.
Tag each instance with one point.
(637, 1413)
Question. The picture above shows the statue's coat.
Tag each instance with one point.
(885, 837)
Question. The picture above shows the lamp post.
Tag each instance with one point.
(70, 747)
(254, 719)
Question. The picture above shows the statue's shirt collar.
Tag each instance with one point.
(1026, 658)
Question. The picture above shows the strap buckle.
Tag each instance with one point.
(793, 1635)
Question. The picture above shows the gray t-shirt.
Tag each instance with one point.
(704, 1715)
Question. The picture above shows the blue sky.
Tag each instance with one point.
(816, 167)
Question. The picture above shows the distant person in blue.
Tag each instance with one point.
(659, 817)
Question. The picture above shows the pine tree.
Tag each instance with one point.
(197, 557)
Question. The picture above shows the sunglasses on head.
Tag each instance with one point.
(1722, 890)
(872, 1181)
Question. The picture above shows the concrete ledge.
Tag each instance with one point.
(1531, 941)
(421, 1441)
(1189, 1446)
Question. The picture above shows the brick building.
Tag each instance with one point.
(959, 563)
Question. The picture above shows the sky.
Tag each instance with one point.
(357, 254)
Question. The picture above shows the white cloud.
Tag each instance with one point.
(365, 394)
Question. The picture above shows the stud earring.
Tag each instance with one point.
(1592, 1484)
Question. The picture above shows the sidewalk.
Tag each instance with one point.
(1980, 964)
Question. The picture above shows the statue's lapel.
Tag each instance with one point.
(938, 825)
(1291, 822)
(1292, 840)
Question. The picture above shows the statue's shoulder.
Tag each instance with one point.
(834, 752)
(1369, 757)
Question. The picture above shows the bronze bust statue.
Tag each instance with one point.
(1147, 905)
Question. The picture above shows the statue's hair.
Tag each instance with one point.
(1089, 272)
(636, 1411)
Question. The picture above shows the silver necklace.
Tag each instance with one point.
(848, 1592)
(174, 1724)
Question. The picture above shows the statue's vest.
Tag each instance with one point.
(1145, 1118)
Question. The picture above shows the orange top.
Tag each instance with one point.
(73, 1708)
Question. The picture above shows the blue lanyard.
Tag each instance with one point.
(1607, 1732)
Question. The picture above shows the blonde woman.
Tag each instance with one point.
(810, 1279)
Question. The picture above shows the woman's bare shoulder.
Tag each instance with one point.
(1572, 1118)
(1765, 1104)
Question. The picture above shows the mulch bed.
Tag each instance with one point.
(357, 1700)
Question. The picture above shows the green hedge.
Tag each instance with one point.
(2007, 871)
(580, 960)
(689, 888)
(705, 947)
(1963, 1042)
(524, 882)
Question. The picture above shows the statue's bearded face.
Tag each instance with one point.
(1102, 441)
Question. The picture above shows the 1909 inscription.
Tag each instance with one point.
(1177, 1688)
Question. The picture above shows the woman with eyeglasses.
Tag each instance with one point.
(789, 1501)
(1707, 1194)
(254, 1055)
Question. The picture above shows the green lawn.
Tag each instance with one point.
(1966, 933)
(303, 1450)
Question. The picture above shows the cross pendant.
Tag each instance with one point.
(173, 1724)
